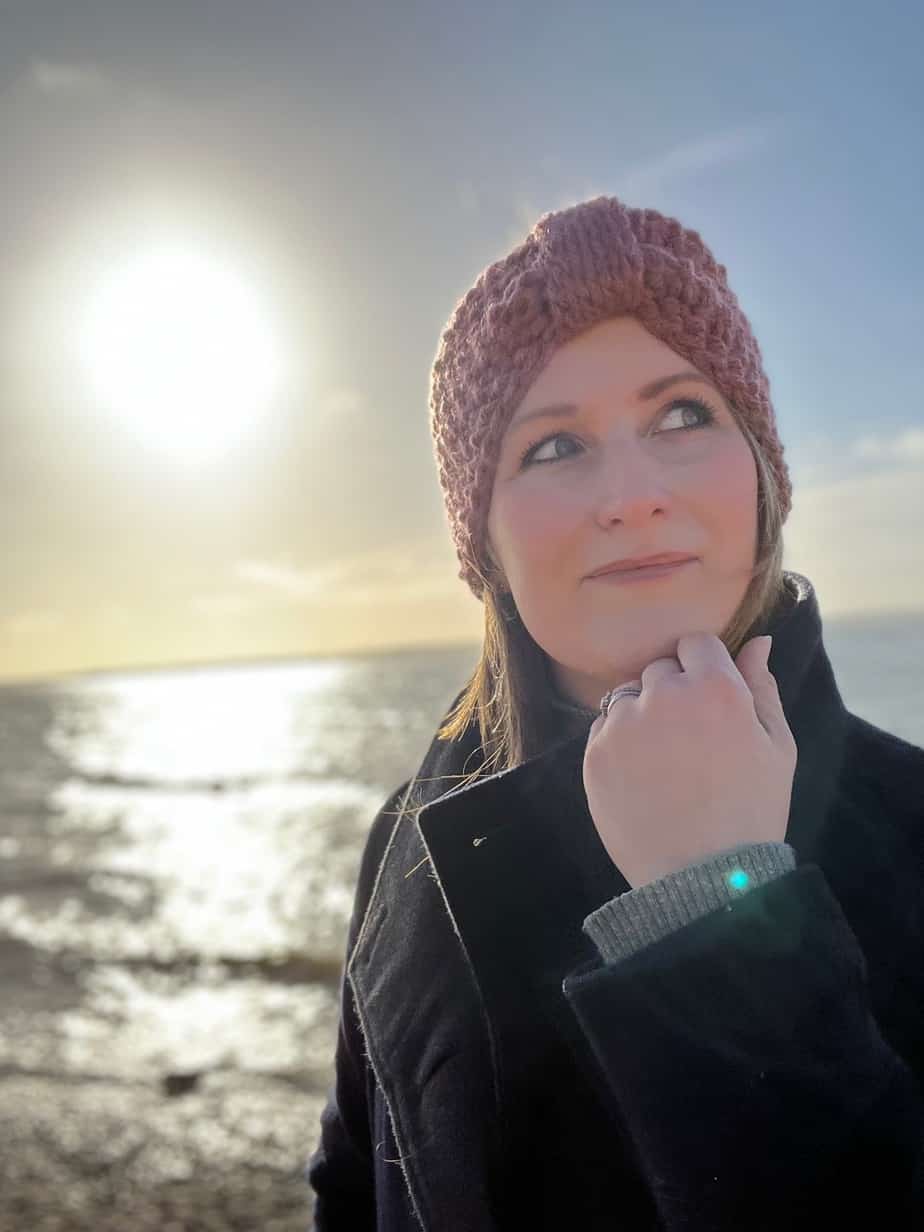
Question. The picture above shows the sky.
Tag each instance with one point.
(328, 180)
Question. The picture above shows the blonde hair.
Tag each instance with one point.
(511, 695)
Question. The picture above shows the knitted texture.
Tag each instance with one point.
(576, 268)
(645, 915)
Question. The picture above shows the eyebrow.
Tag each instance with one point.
(645, 394)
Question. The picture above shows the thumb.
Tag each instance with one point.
(752, 663)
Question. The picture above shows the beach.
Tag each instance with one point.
(178, 855)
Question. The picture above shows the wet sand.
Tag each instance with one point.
(224, 1156)
(97, 1136)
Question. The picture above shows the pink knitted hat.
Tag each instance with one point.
(578, 267)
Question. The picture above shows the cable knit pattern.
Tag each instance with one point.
(576, 268)
(650, 912)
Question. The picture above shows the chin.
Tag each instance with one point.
(625, 658)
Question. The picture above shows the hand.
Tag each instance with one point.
(703, 760)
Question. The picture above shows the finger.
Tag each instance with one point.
(765, 691)
(658, 669)
(698, 652)
(769, 709)
(628, 699)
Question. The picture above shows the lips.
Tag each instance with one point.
(643, 562)
(641, 575)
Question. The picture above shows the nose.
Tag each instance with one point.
(630, 487)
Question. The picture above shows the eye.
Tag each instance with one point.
(532, 451)
(704, 414)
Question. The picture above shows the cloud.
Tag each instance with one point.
(858, 539)
(284, 579)
(906, 446)
(342, 403)
(421, 570)
(826, 459)
(68, 80)
(647, 178)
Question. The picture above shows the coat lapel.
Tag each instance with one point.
(426, 1034)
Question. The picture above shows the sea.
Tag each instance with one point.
(178, 855)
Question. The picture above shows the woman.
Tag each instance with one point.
(640, 945)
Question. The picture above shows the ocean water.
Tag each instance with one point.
(178, 853)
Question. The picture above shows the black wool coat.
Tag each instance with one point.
(759, 1068)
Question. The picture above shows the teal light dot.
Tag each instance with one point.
(738, 880)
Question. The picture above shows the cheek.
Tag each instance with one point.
(530, 524)
(729, 495)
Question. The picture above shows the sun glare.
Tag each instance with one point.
(178, 345)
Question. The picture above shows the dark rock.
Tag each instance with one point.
(180, 1084)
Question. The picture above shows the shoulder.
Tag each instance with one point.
(377, 837)
(373, 852)
(886, 774)
(879, 756)
(444, 762)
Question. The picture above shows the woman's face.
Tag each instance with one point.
(630, 472)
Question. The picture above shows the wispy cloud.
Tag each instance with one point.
(907, 446)
(825, 459)
(690, 158)
(642, 182)
(68, 80)
(403, 572)
(856, 537)
(285, 579)
(341, 404)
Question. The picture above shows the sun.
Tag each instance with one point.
(179, 345)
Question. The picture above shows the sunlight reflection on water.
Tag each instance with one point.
(180, 851)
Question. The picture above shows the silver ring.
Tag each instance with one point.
(623, 690)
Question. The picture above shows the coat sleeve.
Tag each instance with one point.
(341, 1170)
(747, 1069)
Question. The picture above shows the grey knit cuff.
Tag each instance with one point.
(644, 915)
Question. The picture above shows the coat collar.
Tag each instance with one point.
(810, 699)
(511, 865)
